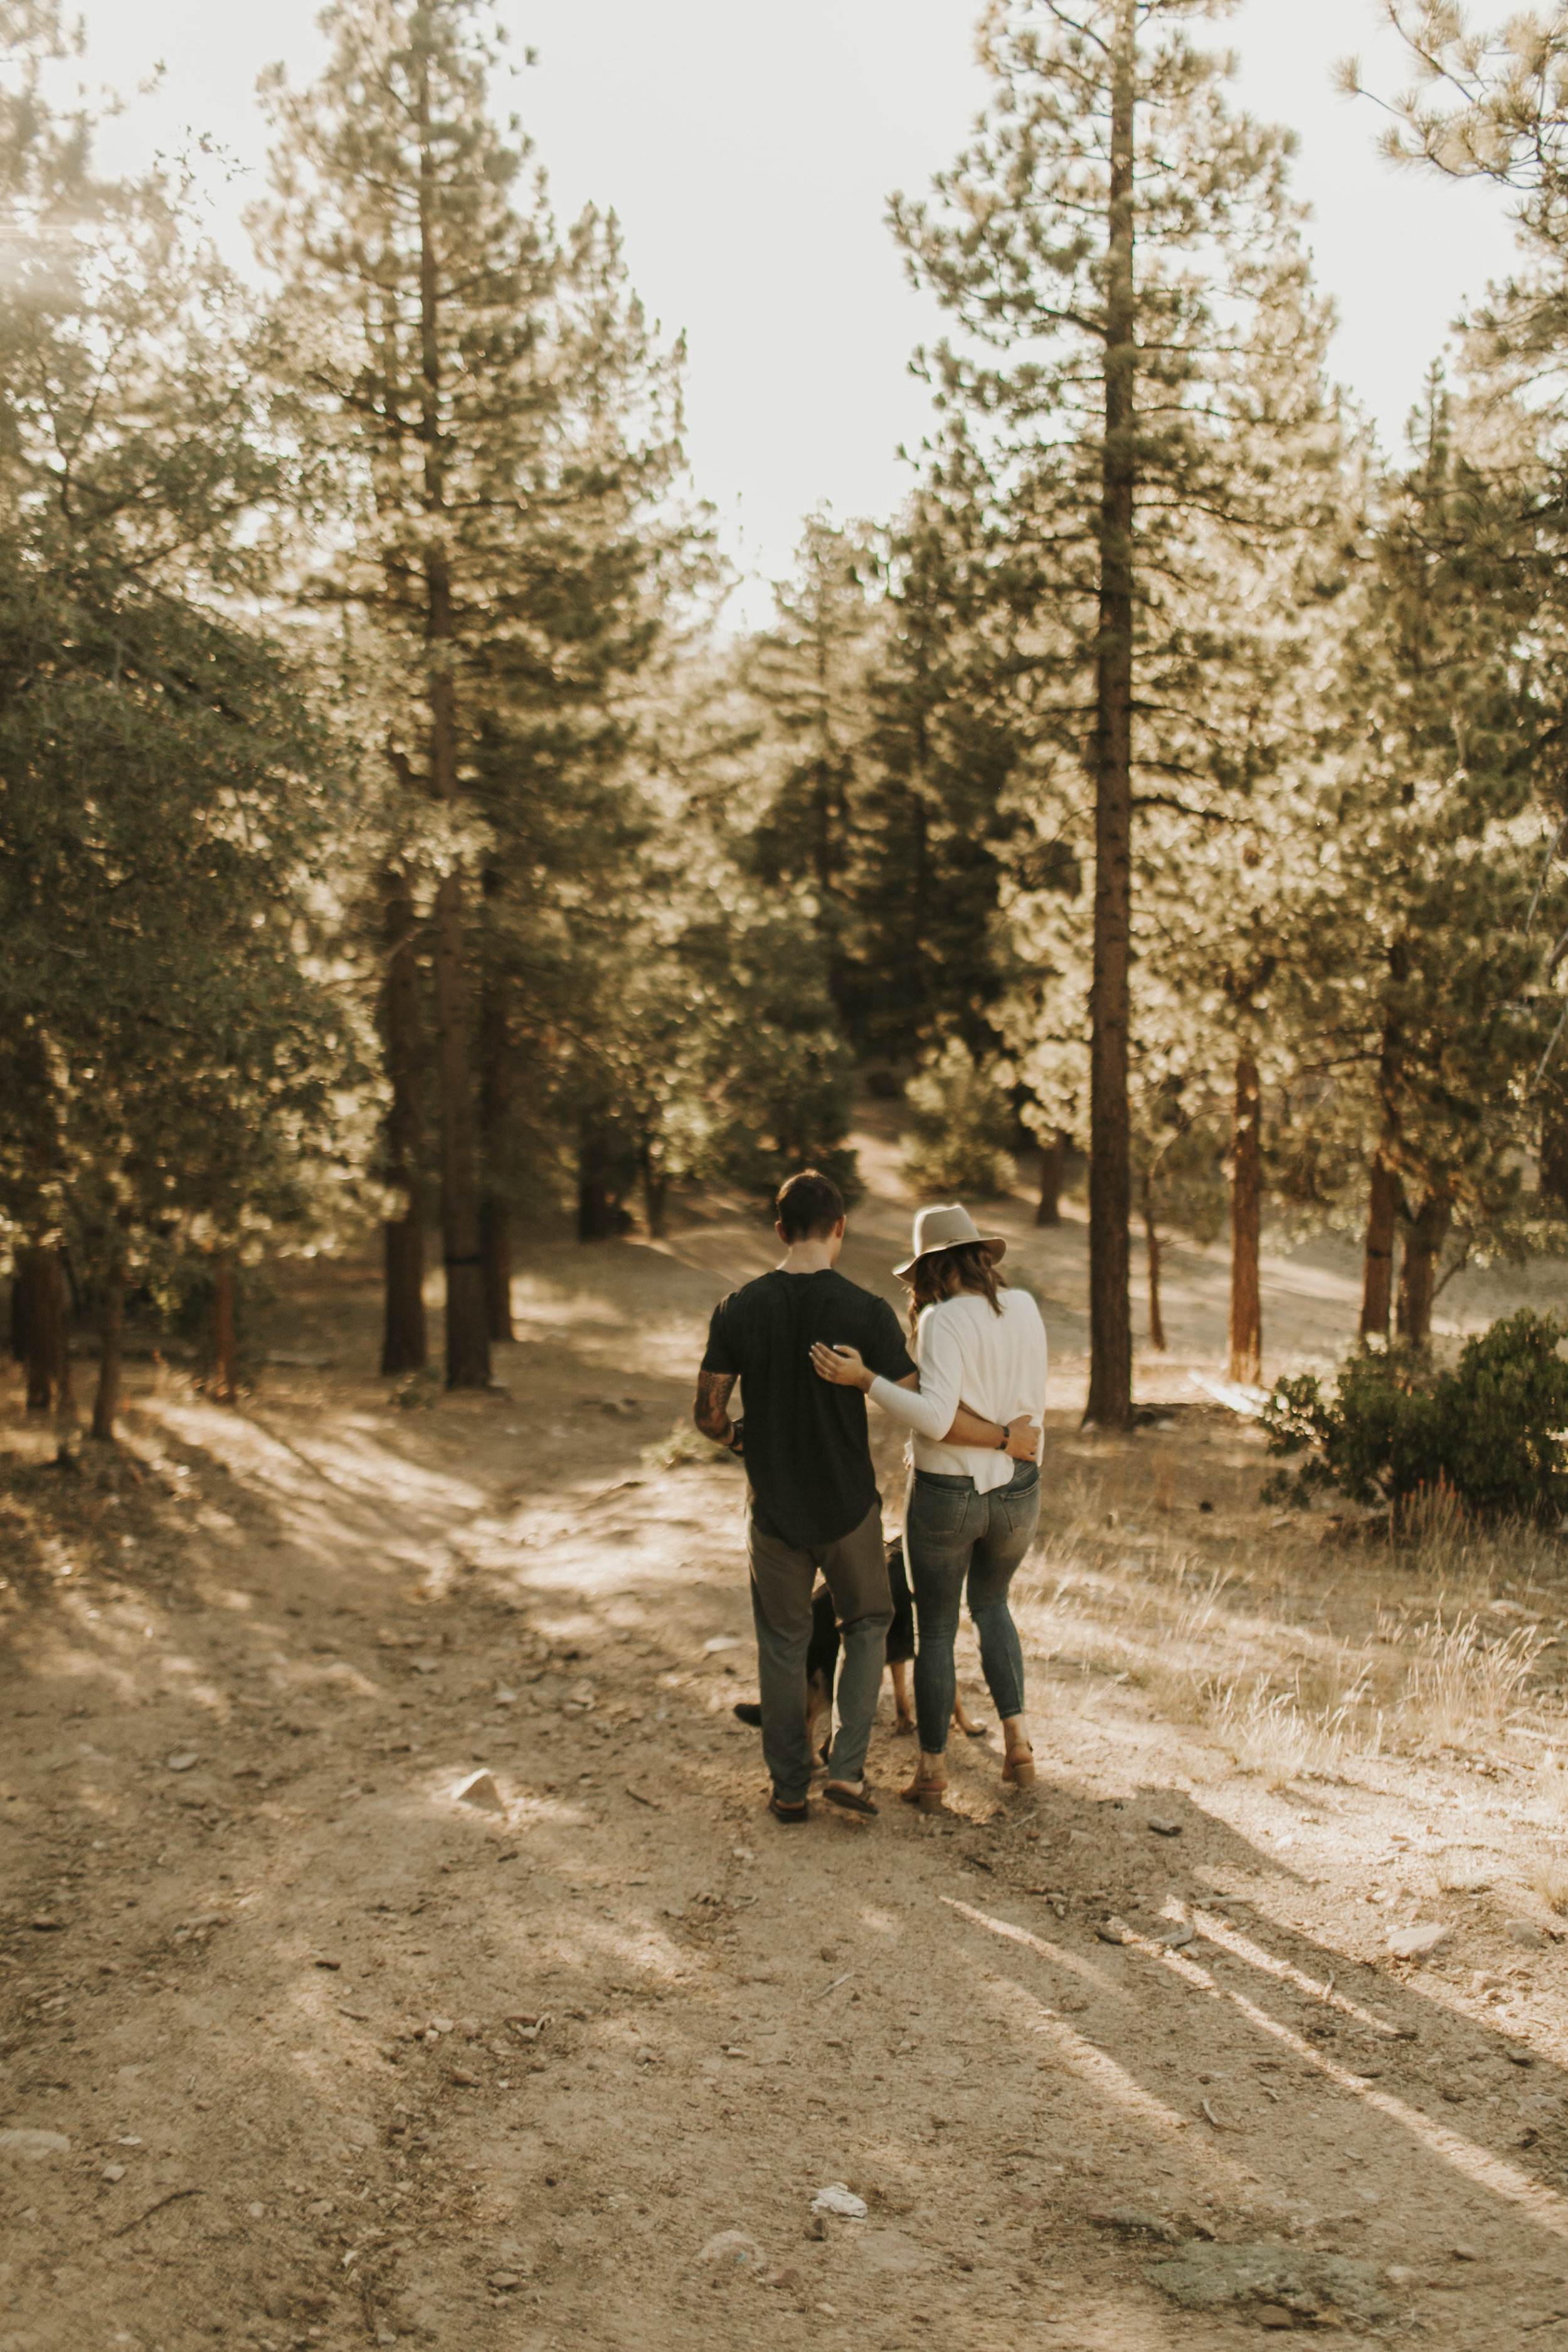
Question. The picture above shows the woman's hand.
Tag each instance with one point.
(1024, 1439)
(842, 1366)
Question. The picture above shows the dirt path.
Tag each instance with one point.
(327, 2055)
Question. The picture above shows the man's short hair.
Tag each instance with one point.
(808, 1206)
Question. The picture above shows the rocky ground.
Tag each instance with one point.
(308, 2037)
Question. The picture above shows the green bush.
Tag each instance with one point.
(1492, 1432)
(959, 1126)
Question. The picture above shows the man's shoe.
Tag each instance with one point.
(746, 1710)
(793, 1814)
(851, 1800)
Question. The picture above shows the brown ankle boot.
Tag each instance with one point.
(928, 1789)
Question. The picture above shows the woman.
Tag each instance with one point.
(972, 1514)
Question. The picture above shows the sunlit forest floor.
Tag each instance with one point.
(328, 2054)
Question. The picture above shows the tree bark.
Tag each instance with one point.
(110, 1329)
(404, 1345)
(1151, 1245)
(1245, 1225)
(21, 1306)
(495, 1249)
(655, 1198)
(1052, 1171)
(495, 1102)
(1424, 1238)
(225, 1383)
(1377, 1277)
(467, 1330)
(1110, 1156)
(41, 1316)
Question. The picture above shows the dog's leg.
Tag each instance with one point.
(819, 1703)
(899, 1670)
(966, 1722)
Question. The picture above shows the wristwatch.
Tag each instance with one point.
(1006, 1433)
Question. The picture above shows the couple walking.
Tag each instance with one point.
(808, 1346)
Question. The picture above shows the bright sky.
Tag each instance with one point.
(749, 150)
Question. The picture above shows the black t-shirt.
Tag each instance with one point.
(807, 1455)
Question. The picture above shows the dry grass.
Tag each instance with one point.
(1298, 1659)
(1551, 1882)
(1271, 1734)
(1463, 1685)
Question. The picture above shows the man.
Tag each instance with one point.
(813, 1498)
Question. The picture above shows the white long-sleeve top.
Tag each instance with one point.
(995, 1364)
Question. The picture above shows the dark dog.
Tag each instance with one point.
(822, 1660)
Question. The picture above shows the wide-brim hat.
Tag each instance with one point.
(944, 1229)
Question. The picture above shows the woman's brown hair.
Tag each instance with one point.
(945, 1272)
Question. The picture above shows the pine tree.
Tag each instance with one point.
(1423, 927)
(413, 311)
(168, 1056)
(1117, 238)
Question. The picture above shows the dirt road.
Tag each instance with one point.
(300, 2045)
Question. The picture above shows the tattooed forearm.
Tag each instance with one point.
(709, 1410)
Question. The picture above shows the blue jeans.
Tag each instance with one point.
(955, 1536)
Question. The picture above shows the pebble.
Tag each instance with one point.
(441, 2025)
(479, 1789)
(1112, 1931)
(112, 2172)
(425, 1665)
(182, 1763)
(1526, 1933)
(1162, 1827)
(837, 2199)
(1416, 1943)
(470, 2082)
(1178, 1938)
(1401, 2275)
(502, 2280)
(30, 2146)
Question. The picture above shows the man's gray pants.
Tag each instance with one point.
(855, 1570)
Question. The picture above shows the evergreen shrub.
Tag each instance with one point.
(1492, 1431)
(960, 1124)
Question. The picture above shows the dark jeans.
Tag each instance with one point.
(855, 1570)
(957, 1538)
(822, 1657)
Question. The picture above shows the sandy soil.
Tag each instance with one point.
(329, 2055)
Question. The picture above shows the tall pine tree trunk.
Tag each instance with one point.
(1245, 1225)
(468, 1329)
(1423, 1238)
(655, 1195)
(40, 1321)
(225, 1377)
(467, 1332)
(110, 1329)
(1386, 1194)
(1052, 1171)
(1109, 1157)
(1377, 1273)
(495, 1101)
(1151, 1247)
(403, 1340)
